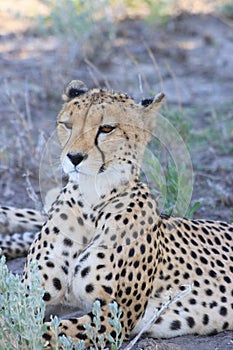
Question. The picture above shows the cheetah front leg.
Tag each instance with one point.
(108, 275)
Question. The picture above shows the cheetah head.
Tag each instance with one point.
(103, 133)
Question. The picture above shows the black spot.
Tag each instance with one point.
(204, 260)
(123, 273)
(56, 230)
(190, 322)
(150, 220)
(213, 274)
(113, 334)
(192, 301)
(68, 242)
(119, 205)
(120, 262)
(209, 292)
(130, 276)
(46, 296)
(80, 204)
(80, 221)
(102, 329)
(219, 263)
(205, 319)
(175, 325)
(101, 255)
(199, 271)
(76, 269)
(128, 291)
(19, 215)
(217, 241)
(131, 252)
(222, 289)
(57, 283)
(223, 311)
(85, 271)
(142, 248)
(47, 336)
(193, 255)
(63, 216)
(119, 249)
(205, 230)
(109, 276)
(50, 264)
(213, 304)
(107, 289)
(100, 266)
(125, 221)
(137, 307)
(81, 336)
(228, 237)
(89, 288)
(227, 279)
(65, 269)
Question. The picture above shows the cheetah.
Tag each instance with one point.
(104, 238)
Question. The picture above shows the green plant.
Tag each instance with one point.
(227, 9)
(114, 321)
(74, 18)
(92, 331)
(21, 317)
(160, 11)
(22, 312)
(180, 122)
(231, 220)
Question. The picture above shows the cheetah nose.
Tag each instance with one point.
(76, 158)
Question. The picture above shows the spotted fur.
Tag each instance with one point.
(105, 239)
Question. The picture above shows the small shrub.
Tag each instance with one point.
(21, 317)
(227, 9)
(231, 220)
(22, 312)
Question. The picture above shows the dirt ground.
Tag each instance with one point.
(189, 58)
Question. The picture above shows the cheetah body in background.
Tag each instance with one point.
(105, 240)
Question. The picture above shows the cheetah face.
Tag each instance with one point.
(103, 135)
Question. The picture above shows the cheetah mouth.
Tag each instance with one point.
(102, 169)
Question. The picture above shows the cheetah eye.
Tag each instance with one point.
(67, 125)
(106, 129)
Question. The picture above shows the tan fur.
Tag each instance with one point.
(105, 239)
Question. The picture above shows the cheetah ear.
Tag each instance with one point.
(150, 109)
(74, 89)
(153, 102)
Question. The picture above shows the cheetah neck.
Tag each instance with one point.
(94, 189)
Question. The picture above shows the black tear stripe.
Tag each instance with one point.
(102, 168)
